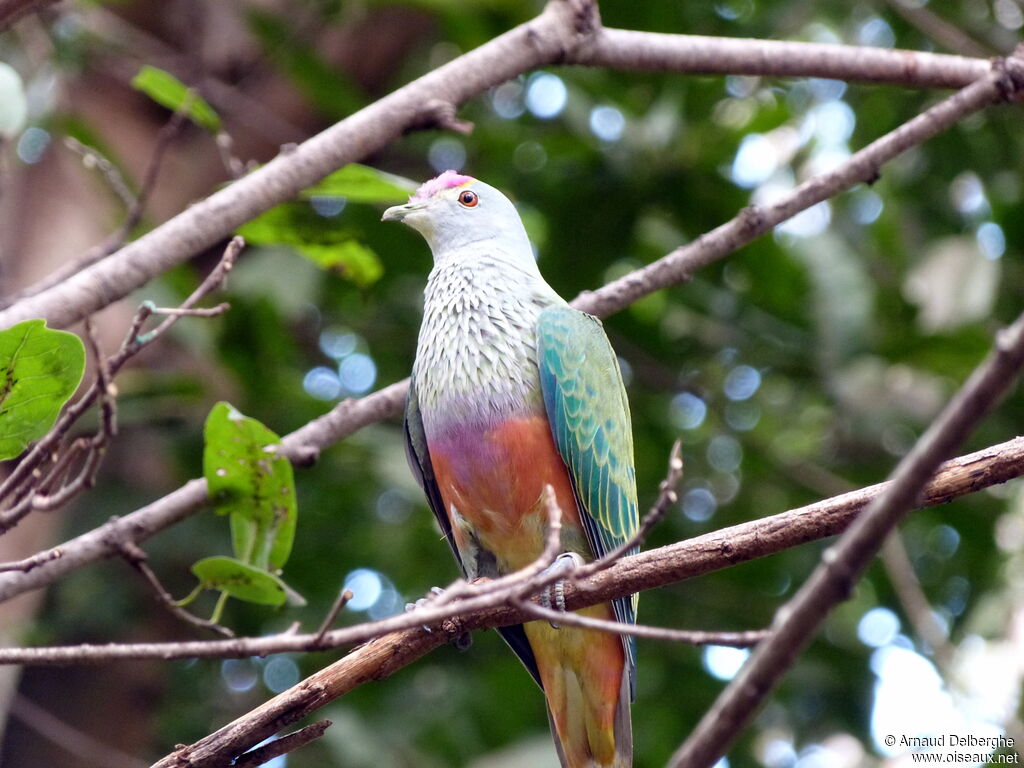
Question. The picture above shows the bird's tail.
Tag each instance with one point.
(622, 732)
(587, 688)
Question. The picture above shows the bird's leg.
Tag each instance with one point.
(553, 596)
(461, 642)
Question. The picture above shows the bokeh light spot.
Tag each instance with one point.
(322, 383)
(546, 95)
(723, 662)
(445, 154)
(699, 504)
(991, 240)
(878, 627)
(607, 123)
(365, 586)
(239, 674)
(32, 144)
(741, 383)
(507, 100)
(280, 673)
(687, 411)
(357, 373)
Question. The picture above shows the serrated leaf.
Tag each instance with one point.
(250, 481)
(40, 369)
(363, 184)
(351, 259)
(241, 581)
(168, 91)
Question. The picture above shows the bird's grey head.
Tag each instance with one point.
(453, 211)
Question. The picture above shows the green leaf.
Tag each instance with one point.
(319, 239)
(168, 91)
(40, 369)
(352, 259)
(250, 481)
(244, 582)
(281, 225)
(363, 184)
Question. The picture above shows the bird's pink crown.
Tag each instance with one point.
(446, 180)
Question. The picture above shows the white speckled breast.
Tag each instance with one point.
(476, 355)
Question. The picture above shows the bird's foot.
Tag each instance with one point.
(423, 601)
(553, 595)
(461, 642)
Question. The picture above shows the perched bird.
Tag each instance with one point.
(513, 390)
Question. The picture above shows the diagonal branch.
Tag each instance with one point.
(13, 10)
(797, 622)
(1002, 83)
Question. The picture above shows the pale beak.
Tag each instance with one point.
(399, 212)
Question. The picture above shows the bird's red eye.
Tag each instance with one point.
(468, 198)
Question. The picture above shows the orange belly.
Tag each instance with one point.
(491, 482)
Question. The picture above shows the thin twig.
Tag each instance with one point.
(93, 158)
(1004, 82)
(70, 739)
(647, 570)
(282, 746)
(12, 10)
(744, 639)
(382, 656)
(910, 595)
(949, 36)
(525, 581)
(35, 561)
(922, 618)
(137, 558)
(340, 602)
(681, 263)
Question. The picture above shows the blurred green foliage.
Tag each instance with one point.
(168, 91)
(802, 365)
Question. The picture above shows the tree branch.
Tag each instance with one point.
(135, 207)
(653, 568)
(696, 54)
(380, 657)
(566, 32)
(301, 446)
(282, 746)
(1002, 83)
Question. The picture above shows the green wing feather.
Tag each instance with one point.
(589, 416)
